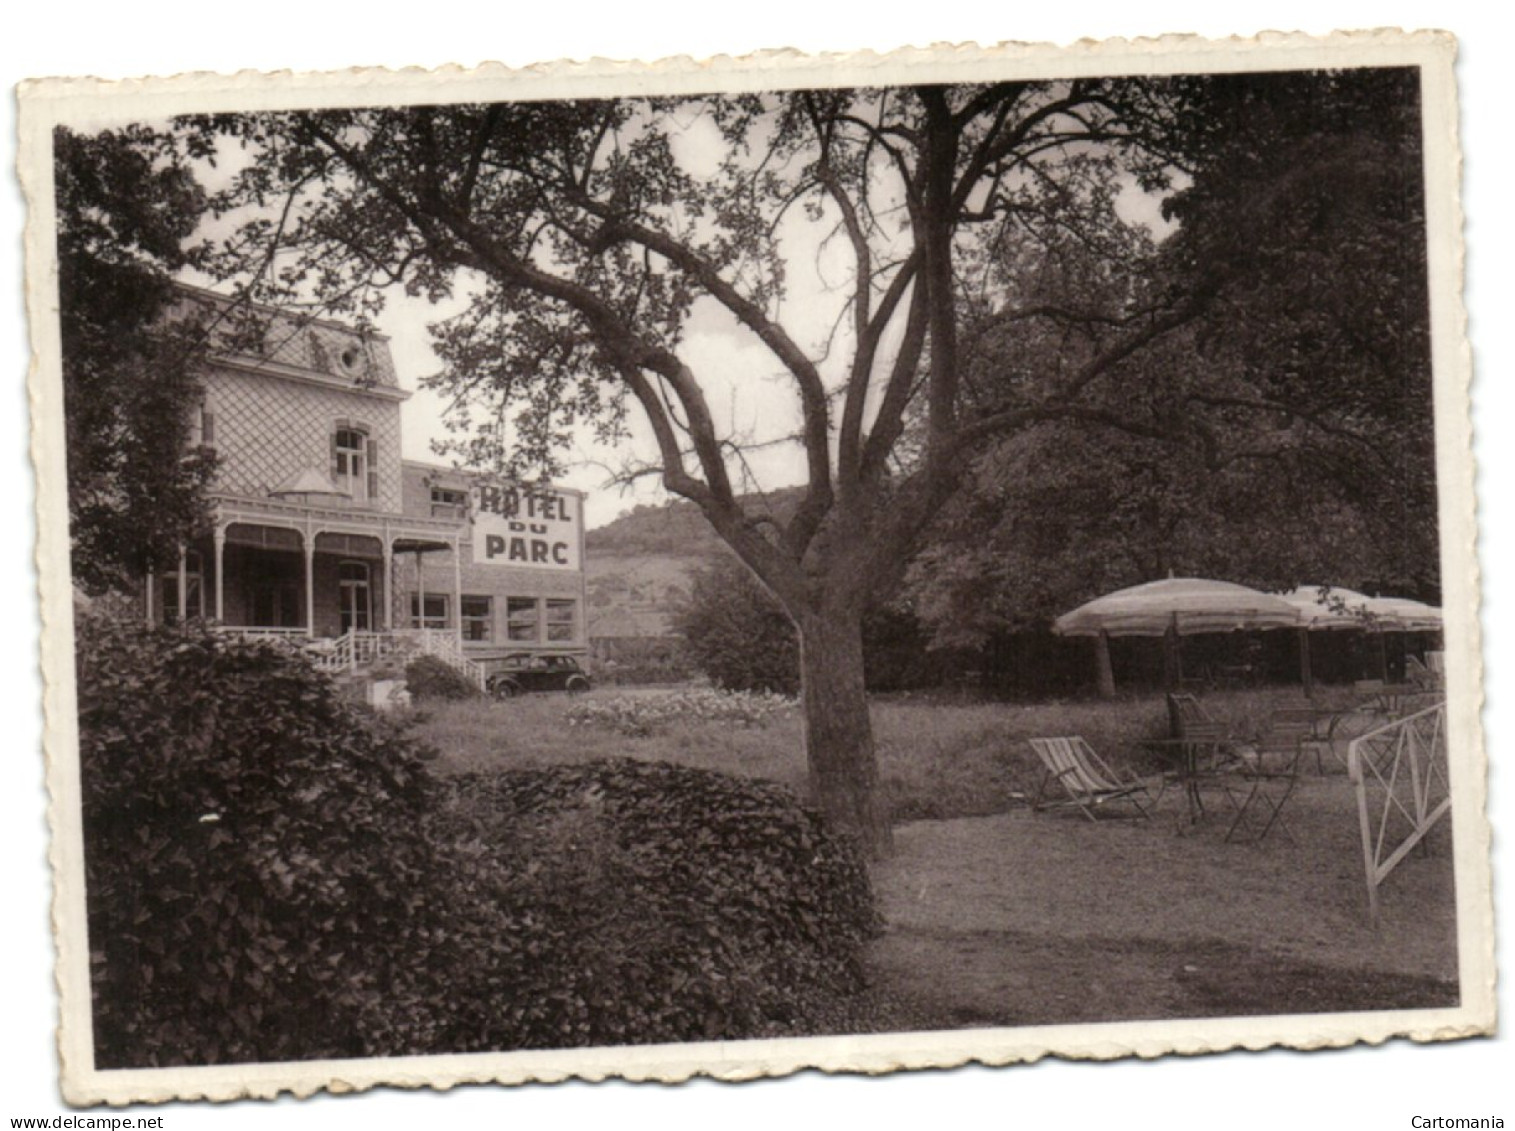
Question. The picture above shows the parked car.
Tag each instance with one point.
(523, 671)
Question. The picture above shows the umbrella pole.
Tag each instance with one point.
(1306, 677)
(1104, 670)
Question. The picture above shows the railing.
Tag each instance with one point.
(1404, 764)
(260, 632)
(356, 649)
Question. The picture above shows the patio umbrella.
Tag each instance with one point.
(1175, 606)
(1328, 607)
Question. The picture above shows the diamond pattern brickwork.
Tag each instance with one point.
(268, 429)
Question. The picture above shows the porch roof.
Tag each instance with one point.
(400, 532)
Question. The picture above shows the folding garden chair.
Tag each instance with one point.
(1077, 776)
(1267, 773)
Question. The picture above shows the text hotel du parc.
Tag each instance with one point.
(524, 529)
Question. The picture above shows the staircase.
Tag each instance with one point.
(357, 650)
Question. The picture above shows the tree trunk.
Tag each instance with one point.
(838, 732)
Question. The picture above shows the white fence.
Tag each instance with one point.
(1400, 774)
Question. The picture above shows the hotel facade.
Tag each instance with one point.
(321, 532)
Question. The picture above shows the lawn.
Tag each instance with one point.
(1000, 916)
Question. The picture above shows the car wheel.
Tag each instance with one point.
(576, 685)
(505, 689)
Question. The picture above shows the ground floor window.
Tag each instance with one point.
(430, 612)
(355, 596)
(521, 618)
(478, 619)
(562, 620)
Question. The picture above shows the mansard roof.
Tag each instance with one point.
(291, 344)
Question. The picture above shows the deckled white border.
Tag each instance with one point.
(86, 103)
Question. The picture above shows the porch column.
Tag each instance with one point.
(183, 584)
(420, 593)
(389, 585)
(220, 569)
(310, 583)
(457, 590)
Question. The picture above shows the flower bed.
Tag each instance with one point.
(642, 715)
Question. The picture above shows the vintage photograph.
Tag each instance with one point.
(968, 554)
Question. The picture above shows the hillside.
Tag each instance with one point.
(638, 568)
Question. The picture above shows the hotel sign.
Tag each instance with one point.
(525, 529)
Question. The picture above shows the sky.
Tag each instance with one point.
(1360, 1088)
(750, 394)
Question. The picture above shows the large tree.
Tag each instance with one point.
(1303, 448)
(128, 204)
(588, 236)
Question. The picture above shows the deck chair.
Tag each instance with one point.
(1076, 776)
(1185, 709)
(1266, 775)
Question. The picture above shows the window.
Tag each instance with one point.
(194, 590)
(521, 618)
(562, 620)
(478, 620)
(355, 462)
(435, 615)
(202, 428)
(448, 502)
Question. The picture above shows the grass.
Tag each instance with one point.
(937, 759)
(1000, 916)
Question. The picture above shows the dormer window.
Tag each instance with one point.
(350, 358)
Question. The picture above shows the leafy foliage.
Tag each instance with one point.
(1282, 435)
(127, 207)
(254, 864)
(626, 902)
(427, 677)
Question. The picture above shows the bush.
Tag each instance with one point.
(427, 677)
(252, 851)
(737, 634)
(628, 902)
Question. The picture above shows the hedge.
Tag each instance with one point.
(629, 902)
